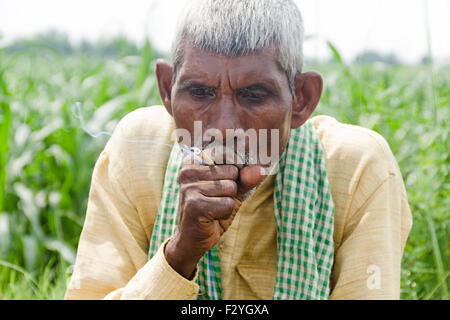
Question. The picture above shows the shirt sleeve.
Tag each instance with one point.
(111, 260)
(367, 262)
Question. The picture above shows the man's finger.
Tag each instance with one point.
(216, 188)
(194, 172)
(249, 177)
(215, 208)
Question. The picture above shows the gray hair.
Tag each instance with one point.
(238, 27)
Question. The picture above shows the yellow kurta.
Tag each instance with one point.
(372, 220)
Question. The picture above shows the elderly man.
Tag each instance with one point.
(319, 211)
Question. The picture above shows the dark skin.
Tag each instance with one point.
(249, 91)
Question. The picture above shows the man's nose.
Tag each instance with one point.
(223, 115)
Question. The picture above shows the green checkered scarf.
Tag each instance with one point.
(304, 213)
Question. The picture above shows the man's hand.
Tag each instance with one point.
(210, 196)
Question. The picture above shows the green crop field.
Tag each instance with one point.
(46, 159)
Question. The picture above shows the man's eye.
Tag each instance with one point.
(252, 95)
(202, 92)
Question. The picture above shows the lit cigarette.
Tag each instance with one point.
(198, 155)
(206, 159)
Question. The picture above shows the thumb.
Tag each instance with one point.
(249, 177)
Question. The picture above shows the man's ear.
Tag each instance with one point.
(164, 73)
(308, 88)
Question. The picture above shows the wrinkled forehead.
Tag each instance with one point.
(262, 64)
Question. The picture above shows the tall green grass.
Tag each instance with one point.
(47, 160)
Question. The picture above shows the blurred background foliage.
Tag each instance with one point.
(47, 159)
